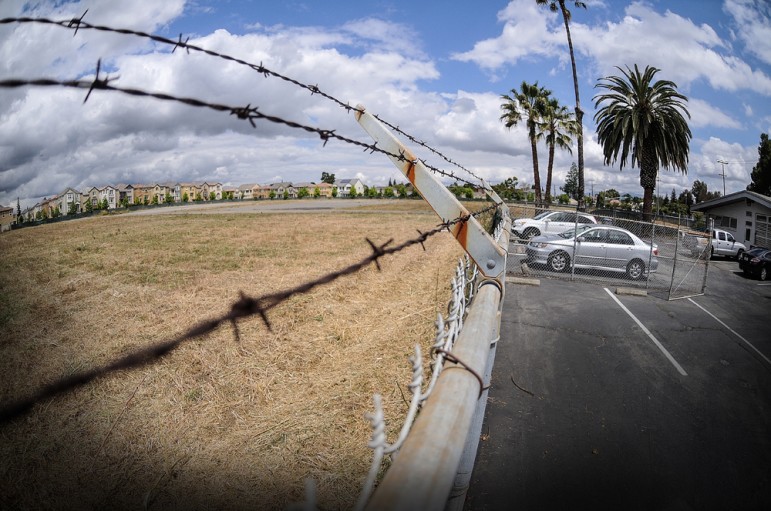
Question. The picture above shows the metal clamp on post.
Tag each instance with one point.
(478, 244)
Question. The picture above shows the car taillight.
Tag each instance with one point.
(655, 251)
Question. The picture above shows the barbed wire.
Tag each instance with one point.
(78, 23)
(423, 144)
(247, 112)
(246, 306)
(447, 333)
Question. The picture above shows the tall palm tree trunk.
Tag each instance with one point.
(548, 174)
(648, 173)
(536, 173)
(579, 112)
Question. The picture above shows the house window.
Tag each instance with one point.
(762, 231)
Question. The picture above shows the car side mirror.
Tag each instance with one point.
(580, 239)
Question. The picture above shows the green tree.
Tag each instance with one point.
(571, 182)
(326, 177)
(401, 189)
(554, 6)
(530, 103)
(334, 191)
(506, 189)
(104, 204)
(89, 206)
(352, 194)
(286, 194)
(388, 192)
(761, 172)
(72, 209)
(317, 192)
(686, 198)
(303, 193)
(272, 194)
(556, 129)
(185, 197)
(212, 196)
(19, 218)
(168, 199)
(56, 213)
(645, 120)
(155, 199)
(699, 191)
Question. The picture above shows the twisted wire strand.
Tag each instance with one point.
(414, 386)
(447, 331)
(248, 112)
(377, 444)
(246, 306)
(78, 23)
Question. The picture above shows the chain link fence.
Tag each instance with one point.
(662, 256)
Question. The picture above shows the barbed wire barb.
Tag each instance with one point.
(182, 44)
(77, 22)
(245, 307)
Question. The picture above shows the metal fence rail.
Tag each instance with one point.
(435, 461)
(436, 448)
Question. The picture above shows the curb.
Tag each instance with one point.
(522, 280)
(631, 291)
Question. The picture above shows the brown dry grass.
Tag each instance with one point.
(216, 424)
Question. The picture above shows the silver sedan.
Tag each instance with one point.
(599, 247)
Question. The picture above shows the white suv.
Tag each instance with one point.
(549, 222)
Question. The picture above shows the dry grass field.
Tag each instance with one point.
(216, 424)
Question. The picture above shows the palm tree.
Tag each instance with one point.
(529, 102)
(645, 119)
(554, 6)
(556, 129)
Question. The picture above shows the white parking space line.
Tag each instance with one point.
(652, 337)
(732, 331)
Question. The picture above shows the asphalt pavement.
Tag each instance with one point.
(602, 400)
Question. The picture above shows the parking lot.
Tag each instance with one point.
(606, 400)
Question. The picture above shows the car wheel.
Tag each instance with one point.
(559, 261)
(530, 232)
(635, 269)
(712, 252)
(763, 273)
(739, 254)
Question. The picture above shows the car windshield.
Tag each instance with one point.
(575, 232)
(542, 215)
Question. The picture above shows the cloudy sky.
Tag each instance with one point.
(434, 68)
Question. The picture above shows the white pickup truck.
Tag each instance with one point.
(723, 244)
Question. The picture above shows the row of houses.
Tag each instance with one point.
(71, 201)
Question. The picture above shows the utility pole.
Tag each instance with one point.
(723, 163)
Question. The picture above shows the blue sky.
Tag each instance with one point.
(436, 69)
